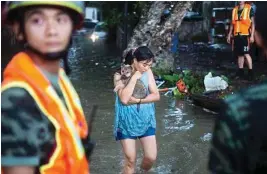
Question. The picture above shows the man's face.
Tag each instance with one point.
(48, 29)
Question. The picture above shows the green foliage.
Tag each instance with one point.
(135, 11)
(193, 81)
(225, 79)
(171, 79)
(178, 94)
(113, 12)
(160, 72)
(115, 17)
(137, 6)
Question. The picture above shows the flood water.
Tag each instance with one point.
(183, 130)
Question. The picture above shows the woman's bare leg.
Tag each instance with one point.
(149, 145)
(129, 149)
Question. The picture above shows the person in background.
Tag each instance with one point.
(132, 123)
(243, 36)
(239, 143)
(42, 121)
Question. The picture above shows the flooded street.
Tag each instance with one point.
(202, 54)
(183, 130)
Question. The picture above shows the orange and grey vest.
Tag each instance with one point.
(68, 156)
(241, 25)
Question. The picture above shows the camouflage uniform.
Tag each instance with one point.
(239, 143)
(27, 135)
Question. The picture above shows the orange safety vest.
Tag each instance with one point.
(242, 25)
(68, 156)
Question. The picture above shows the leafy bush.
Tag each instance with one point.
(193, 81)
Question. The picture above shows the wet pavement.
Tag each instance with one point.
(183, 130)
(217, 58)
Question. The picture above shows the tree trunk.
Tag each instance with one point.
(206, 13)
(155, 33)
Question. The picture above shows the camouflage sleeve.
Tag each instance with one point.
(18, 128)
(227, 147)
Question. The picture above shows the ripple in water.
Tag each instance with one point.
(174, 121)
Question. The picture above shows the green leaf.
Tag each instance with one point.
(171, 78)
(187, 72)
(225, 78)
(176, 92)
(176, 77)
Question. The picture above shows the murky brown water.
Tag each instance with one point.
(181, 127)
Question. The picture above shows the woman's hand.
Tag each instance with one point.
(125, 94)
(133, 100)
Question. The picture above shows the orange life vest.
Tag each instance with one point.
(242, 25)
(68, 156)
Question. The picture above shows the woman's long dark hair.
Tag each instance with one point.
(142, 53)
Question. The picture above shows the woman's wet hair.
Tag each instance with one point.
(261, 21)
(142, 53)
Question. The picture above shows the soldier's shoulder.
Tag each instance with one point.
(243, 97)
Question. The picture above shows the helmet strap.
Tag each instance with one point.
(52, 56)
(47, 56)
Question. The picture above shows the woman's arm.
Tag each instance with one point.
(154, 93)
(125, 94)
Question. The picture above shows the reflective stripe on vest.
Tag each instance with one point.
(70, 124)
(242, 25)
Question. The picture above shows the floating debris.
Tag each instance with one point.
(206, 137)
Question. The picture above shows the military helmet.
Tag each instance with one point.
(77, 7)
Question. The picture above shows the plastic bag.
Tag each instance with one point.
(214, 83)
